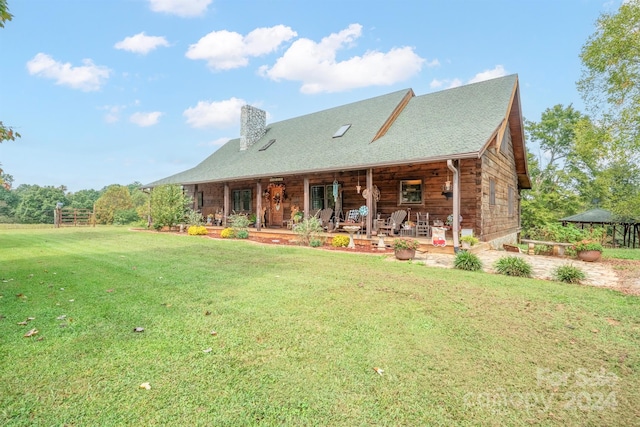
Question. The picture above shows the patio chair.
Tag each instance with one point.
(395, 220)
(325, 218)
(422, 224)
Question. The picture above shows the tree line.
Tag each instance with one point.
(33, 204)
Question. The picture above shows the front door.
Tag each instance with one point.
(276, 205)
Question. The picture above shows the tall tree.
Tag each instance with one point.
(115, 198)
(553, 192)
(4, 13)
(168, 205)
(7, 133)
(610, 86)
(37, 203)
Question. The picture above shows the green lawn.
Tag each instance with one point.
(299, 333)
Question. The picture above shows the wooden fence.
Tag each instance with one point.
(73, 217)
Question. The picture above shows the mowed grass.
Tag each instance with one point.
(299, 333)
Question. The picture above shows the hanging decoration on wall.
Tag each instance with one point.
(358, 187)
(335, 190)
(447, 190)
(375, 195)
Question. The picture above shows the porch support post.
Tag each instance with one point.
(453, 166)
(225, 214)
(258, 206)
(306, 197)
(369, 202)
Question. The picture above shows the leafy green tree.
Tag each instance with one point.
(610, 86)
(8, 203)
(115, 198)
(4, 15)
(553, 192)
(169, 205)
(38, 203)
(84, 199)
(610, 83)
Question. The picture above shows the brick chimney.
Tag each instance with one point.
(253, 123)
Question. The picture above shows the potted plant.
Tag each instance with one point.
(405, 248)
(588, 250)
(468, 241)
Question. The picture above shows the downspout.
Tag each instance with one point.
(456, 204)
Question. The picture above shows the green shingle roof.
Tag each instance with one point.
(447, 124)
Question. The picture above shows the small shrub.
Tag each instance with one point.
(513, 266)
(194, 218)
(568, 274)
(588, 245)
(238, 221)
(316, 243)
(242, 234)
(227, 233)
(308, 230)
(405, 243)
(340, 241)
(467, 261)
(125, 217)
(197, 230)
(471, 240)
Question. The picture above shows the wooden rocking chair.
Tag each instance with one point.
(395, 220)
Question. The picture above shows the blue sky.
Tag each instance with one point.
(116, 91)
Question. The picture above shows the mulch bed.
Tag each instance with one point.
(290, 241)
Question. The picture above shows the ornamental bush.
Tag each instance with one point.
(315, 243)
(340, 241)
(197, 230)
(308, 230)
(513, 266)
(227, 233)
(568, 274)
(467, 261)
(405, 243)
(242, 234)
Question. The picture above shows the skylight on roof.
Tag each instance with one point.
(343, 129)
(267, 145)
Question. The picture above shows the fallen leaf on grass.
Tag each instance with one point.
(61, 317)
(138, 329)
(20, 296)
(207, 313)
(145, 386)
(214, 333)
(613, 322)
(208, 350)
(379, 371)
(30, 318)
(31, 333)
(595, 331)
(109, 290)
(22, 323)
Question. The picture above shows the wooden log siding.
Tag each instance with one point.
(495, 220)
(387, 179)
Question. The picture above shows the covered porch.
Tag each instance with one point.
(430, 192)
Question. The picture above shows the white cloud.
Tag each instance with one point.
(315, 64)
(224, 50)
(183, 8)
(215, 143)
(221, 114)
(113, 113)
(498, 71)
(141, 43)
(88, 77)
(145, 119)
